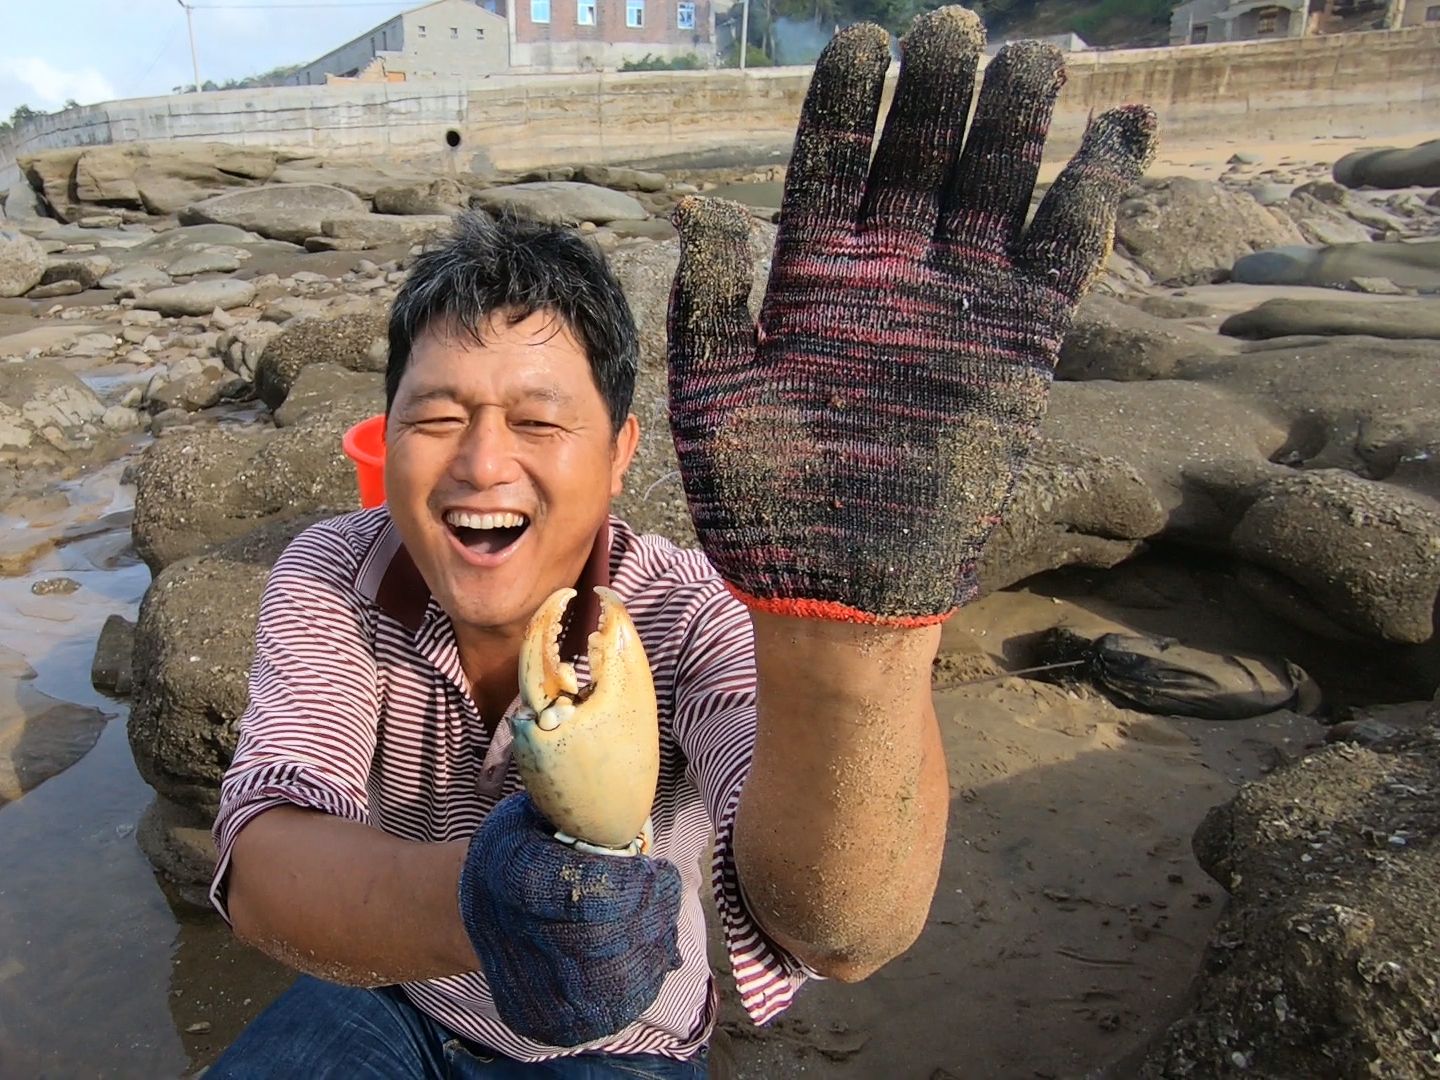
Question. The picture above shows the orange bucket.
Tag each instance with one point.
(364, 444)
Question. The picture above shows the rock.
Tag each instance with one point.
(195, 391)
(44, 409)
(22, 263)
(1320, 223)
(1326, 960)
(137, 277)
(198, 297)
(205, 261)
(101, 221)
(363, 178)
(86, 269)
(442, 196)
(1244, 157)
(1376, 286)
(63, 287)
(1413, 265)
(199, 489)
(191, 668)
(620, 178)
(335, 243)
(322, 388)
(561, 201)
(1173, 307)
(1366, 552)
(111, 670)
(190, 238)
(177, 841)
(1186, 231)
(377, 230)
(1110, 339)
(357, 341)
(279, 211)
(1418, 166)
(1325, 191)
(1284, 318)
(41, 737)
(1270, 194)
(242, 347)
(22, 203)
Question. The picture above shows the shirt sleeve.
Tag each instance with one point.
(714, 723)
(307, 736)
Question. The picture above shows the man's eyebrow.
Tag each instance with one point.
(438, 393)
(552, 394)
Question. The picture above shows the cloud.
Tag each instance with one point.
(47, 87)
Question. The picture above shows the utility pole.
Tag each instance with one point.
(744, 32)
(194, 58)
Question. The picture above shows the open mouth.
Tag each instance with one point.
(487, 534)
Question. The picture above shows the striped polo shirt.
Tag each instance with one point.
(359, 708)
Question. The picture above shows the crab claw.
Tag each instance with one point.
(590, 758)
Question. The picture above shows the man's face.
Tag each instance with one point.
(500, 463)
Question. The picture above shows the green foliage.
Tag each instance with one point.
(1142, 14)
(754, 57)
(688, 62)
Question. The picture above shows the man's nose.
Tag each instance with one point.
(486, 454)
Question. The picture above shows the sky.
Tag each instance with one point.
(99, 50)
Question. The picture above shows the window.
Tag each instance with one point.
(479, 34)
(539, 11)
(1199, 34)
(1432, 13)
(685, 15)
(454, 32)
(1267, 22)
(421, 28)
(634, 13)
(584, 12)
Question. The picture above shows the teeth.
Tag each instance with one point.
(465, 520)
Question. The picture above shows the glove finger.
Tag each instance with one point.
(926, 124)
(709, 318)
(988, 194)
(1074, 229)
(825, 182)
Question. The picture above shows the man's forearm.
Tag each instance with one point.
(842, 821)
(346, 902)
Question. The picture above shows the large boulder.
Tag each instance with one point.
(22, 263)
(1187, 231)
(377, 230)
(443, 196)
(202, 488)
(279, 211)
(22, 203)
(198, 297)
(561, 201)
(46, 411)
(356, 340)
(1285, 317)
(1326, 961)
(1110, 339)
(1418, 166)
(52, 174)
(1414, 265)
(329, 388)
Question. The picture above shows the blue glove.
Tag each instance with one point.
(574, 945)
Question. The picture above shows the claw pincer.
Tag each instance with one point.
(590, 757)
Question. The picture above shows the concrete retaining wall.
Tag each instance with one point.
(1372, 83)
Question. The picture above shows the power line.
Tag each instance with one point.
(266, 7)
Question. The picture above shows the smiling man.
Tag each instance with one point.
(845, 462)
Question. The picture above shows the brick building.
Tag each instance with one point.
(473, 38)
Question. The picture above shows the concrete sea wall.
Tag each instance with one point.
(1370, 83)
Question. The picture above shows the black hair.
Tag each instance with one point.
(519, 267)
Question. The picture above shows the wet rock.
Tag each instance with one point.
(1326, 961)
(195, 391)
(377, 230)
(198, 489)
(22, 263)
(566, 202)
(204, 261)
(1368, 553)
(111, 669)
(1376, 286)
(198, 297)
(1284, 318)
(41, 737)
(335, 243)
(1418, 166)
(1414, 265)
(55, 288)
(162, 247)
(177, 841)
(443, 196)
(330, 388)
(137, 277)
(1186, 231)
(1110, 339)
(279, 211)
(45, 410)
(191, 668)
(357, 341)
(242, 346)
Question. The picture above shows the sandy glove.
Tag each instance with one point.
(849, 457)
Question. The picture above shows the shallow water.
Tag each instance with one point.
(99, 976)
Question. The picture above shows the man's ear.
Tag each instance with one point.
(623, 452)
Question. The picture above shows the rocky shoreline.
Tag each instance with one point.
(1256, 381)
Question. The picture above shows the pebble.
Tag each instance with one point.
(55, 586)
(199, 1028)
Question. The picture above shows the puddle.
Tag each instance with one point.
(99, 975)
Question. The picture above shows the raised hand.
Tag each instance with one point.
(849, 457)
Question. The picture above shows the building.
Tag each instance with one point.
(1207, 21)
(472, 38)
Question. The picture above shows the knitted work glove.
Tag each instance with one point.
(574, 946)
(849, 458)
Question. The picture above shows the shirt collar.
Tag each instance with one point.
(389, 578)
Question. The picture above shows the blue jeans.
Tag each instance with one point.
(318, 1030)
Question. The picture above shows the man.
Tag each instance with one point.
(844, 464)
